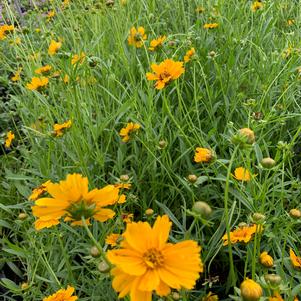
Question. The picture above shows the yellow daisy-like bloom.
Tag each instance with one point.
(60, 128)
(17, 76)
(189, 54)
(62, 295)
(37, 192)
(242, 174)
(10, 136)
(78, 58)
(43, 69)
(250, 290)
(128, 130)
(54, 47)
(203, 155)
(137, 37)
(156, 43)
(113, 239)
(5, 29)
(72, 199)
(210, 297)
(146, 262)
(127, 217)
(276, 297)
(37, 83)
(51, 14)
(256, 6)
(266, 260)
(296, 261)
(165, 72)
(210, 25)
(242, 234)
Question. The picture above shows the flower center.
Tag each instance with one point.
(164, 75)
(153, 258)
(138, 37)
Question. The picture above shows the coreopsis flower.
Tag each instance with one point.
(43, 69)
(266, 260)
(54, 47)
(137, 37)
(256, 5)
(156, 43)
(210, 297)
(62, 295)
(204, 155)
(71, 199)
(296, 261)
(37, 83)
(242, 234)
(210, 25)
(165, 72)
(130, 128)
(276, 297)
(51, 14)
(189, 54)
(4, 30)
(17, 76)
(242, 174)
(250, 290)
(38, 191)
(10, 136)
(146, 262)
(113, 239)
(59, 129)
(78, 58)
(127, 217)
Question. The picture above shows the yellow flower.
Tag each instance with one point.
(16, 41)
(54, 47)
(128, 130)
(156, 43)
(59, 128)
(66, 79)
(266, 260)
(62, 295)
(276, 297)
(51, 14)
(137, 37)
(113, 239)
(38, 191)
(203, 155)
(147, 262)
(65, 4)
(250, 290)
(37, 83)
(5, 29)
(189, 54)
(78, 58)
(256, 5)
(296, 261)
(72, 199)
(210, 297)
(127, 217)
(10, 136)
(43, 69)
(211, 25)
(123, 185)
(165, 72)
(242, 174)
(242, 234)
(17, 76)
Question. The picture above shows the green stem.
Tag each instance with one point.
(98, 246)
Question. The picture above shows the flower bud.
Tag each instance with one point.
(242, 224)
(258, 218)
(94, 251)
(175, 296)
(295, 213)
(103, 267)
(24, 285)
(110, 3)
(202, 208)
(272, 279)
(22, 216)
(248, 134)
(124, 178)
(149, 211)
(250, 290)
(266, 260)
(268, 162)
(192, 178)
(162, 144)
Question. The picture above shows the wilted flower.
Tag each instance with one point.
(51, 14)
(276, 297)
(165, 72)
(210, 297)
(137, 36)
(130, 128)
(156, 43)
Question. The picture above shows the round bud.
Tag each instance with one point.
(295, 213)
(124, 178)
(202, 208)
(110, 3)
(192, 178)
(162, 144)
(242, 224)
(248, 134)
(212, 54)
(24, 285)
(22, 216)
(266, 260)
(103, 267)
(268, 162)
(250, 290)
(258, 217)
(273, 279)
(94, 251)
(149, 211)
(175, 296)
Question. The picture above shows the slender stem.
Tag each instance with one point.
(226, 199)
(96, 243)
